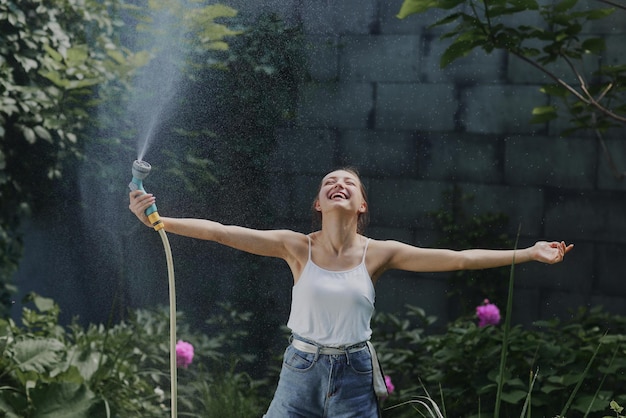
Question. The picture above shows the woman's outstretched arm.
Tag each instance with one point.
(396, 255)
(272, 243)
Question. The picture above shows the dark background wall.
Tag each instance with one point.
(378, 100)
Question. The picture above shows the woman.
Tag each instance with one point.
(330, 369)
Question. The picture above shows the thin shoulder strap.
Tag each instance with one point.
(365, 250)
(309, 247)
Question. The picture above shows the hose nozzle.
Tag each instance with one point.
(140, 171)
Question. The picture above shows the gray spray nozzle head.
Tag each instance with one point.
(141, 169)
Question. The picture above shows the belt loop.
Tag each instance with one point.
(347, 357)
(317, 354)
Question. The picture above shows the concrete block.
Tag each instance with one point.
(615, 53)
(386, 233)
(611, 274)
(574, 275)
(591, 216)
(613, 305)
(612, 166)
(613, 24)
(500, 109)
(339, 17)
(395, 290)
(302, 196)
(323, 57)
(548, 161)
(476, 68)
(522, 205)
(522, 72)
(422, 107)
(405, 203)
(335, 105)
(301, 151)
(386, 58)
(531, 18)
(456, 156)
(379, 153)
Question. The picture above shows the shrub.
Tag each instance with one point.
(460, 367)
(121, 371)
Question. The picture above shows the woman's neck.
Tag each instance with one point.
(338, 235)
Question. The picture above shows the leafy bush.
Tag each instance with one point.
(121, 371)
(461, 366)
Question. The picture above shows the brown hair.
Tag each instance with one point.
(363, 217)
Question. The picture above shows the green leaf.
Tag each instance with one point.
(556, 90)
(458, 49)
(77, 55)
(564, 5)
(411, 7)
(43, 304)
(599, 13)
(66, 400)
(42, 133)
(53, 53)
(594, 45)
(544, 114)
(514, 396)
(37, 355)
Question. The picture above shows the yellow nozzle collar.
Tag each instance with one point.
(155, 220)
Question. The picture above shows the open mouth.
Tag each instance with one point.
(338, 196)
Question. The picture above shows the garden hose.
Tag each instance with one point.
(140, 171)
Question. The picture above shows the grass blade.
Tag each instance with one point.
(507, 328)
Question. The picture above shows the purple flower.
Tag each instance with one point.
(488, 314)
(184, 354)
(390, 386)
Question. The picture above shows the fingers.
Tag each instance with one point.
(562, 250)
(140, 201)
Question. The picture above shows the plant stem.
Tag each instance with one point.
(505, 336)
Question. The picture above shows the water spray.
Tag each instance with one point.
(140, 171)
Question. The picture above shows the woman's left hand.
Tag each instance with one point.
(551, 252)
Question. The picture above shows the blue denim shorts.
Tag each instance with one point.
(325, 386)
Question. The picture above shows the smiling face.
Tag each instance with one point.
(342, 189)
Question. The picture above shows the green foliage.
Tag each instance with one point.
(65, 84)
(122, 371)
(555, 358)
(595, 101)
(179, 41)
(51, 59)
(615, 407)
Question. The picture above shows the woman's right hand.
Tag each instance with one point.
(139, 203)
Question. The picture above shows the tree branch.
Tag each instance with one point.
(588, 99)
(607, 154)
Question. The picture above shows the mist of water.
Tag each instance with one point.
(156, 84)
(133, 267)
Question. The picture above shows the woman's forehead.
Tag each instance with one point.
(341, 174)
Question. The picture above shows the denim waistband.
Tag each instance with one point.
(316, 349)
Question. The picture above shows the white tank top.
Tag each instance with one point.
(333, 308)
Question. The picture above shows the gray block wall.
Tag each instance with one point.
(378, 100)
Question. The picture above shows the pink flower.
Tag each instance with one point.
(488, 314)
(184, 354)
(390, 386)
